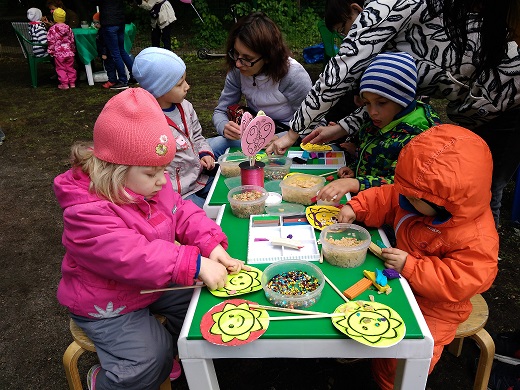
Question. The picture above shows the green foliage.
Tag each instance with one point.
(175, 43)
(297, 24)
(210, 34)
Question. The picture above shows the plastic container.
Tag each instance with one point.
(305, 268)
(247, 200)
(276, 167)
(285, 209)
(273, 186)
(229, 163)
(344, 244)
(301, 188)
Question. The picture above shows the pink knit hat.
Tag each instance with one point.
(132, 130)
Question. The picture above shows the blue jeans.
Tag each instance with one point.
(200, 196)
(110, 67)
(503, 137)
(219, 144)
(114, 37)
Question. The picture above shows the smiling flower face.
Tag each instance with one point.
(241, 283)
(373, 323)
(233, 323)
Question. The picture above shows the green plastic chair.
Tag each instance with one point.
(21, 30)
(331, 41)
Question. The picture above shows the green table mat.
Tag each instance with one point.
(85, 39)
(236, 230)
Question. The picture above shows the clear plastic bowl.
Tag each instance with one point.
(247, 200)
(229, 163)
(276, 167)
(344, 244)
(301, 188)
(292, 301)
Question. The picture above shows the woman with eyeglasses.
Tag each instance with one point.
(261, 72)
(466, 52)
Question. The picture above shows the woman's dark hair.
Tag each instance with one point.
(261, 35)
(338, 11)
(498, 20)
(56, 3)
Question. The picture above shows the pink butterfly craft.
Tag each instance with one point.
(256, 132)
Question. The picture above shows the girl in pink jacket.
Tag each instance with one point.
(61, 46)
(121, 223)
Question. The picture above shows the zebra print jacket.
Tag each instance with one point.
(405, 25)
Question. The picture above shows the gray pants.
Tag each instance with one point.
(135, 351)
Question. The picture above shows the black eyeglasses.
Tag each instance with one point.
(234, 56)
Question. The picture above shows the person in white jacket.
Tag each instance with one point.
(162, 17)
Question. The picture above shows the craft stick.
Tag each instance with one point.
(285, 309)
(321, 256)
(336, 289)
(376, 250)
(328, 173)
(172, 288)
(288, 242)
(324, 315)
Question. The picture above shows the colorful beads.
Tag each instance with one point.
(293, 283)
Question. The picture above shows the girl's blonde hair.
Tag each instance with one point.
(107, 180)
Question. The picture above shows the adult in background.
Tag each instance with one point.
(112, 18)
(466, 52)
(71, 20)
(260, 70)
(162, 17)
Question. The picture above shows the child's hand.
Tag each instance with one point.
(232, 131)
(394, 258)
(338, 188)
(208, 162)
(213, 274)
(233, 266)
(346, 214)
(345, 172)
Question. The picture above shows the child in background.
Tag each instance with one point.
(162, 17)
(163, 74)
(121, 223)
(61, 46)
(387, 89)
(447, 244)
(104, 53)
(37, 31)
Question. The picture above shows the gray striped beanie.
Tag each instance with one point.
(392, 75)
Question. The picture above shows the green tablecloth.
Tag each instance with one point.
(85, 39)
(237, 231)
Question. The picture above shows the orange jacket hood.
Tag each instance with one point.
(450, 166)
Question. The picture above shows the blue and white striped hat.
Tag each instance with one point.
(392, 75)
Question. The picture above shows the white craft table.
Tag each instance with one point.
(414, 354)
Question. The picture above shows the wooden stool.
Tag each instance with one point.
(81, 344)
(473, 327)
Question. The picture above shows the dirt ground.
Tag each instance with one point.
(40, 125)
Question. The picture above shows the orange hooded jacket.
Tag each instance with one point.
(448, 261)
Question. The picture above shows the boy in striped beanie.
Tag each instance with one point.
(387, 90)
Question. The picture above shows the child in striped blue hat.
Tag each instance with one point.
(387, 90)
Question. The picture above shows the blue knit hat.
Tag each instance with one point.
(392, 75)
(158, 70)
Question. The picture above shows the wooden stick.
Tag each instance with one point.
(336, 289)
(328, 173)
(321, 256)
(172, 288)
(285, 309)
(324, 315)
(376, 250)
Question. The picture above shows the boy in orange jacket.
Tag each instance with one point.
(447, 243)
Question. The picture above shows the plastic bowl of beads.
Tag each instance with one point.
(276, 167)
(344, 244)
(301, 188)
(229, 163)
(247, 200)
(293, 284)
